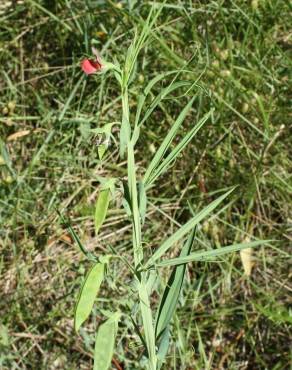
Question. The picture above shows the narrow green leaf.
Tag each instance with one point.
(142, 201)
(211, 254)
(105, 342)
(132, 183)
(88, 294)
(186, 228)
(172, 290)
(101, 208)
(88, 254)
(167, 140)
(126, 201)
(142, 97)
(138, 332)
(176, 151)
(166, 91)
(147, 324)
(101, 150)
(163, 347)
(138, 43)
(125, 131)
(125, 134)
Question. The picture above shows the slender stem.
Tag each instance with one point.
(125, 104)
(138, 256)
(145, 308)
(137, 243)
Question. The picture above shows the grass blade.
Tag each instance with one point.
(207, 255)
(70, 98)
(51, 15)
(88, 294)
(186, 228)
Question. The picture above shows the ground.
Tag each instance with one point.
(236, 54)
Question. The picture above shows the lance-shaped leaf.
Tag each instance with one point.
(142, 201)
(101, 208)
(162, 167)
(142, 97)
(211, 254)
(167, 140)
(105, 342)
(125, 131)
(88, 294)
(172, 290)
(88, 254)
(163, 348)
(147, 324)
(162, 95)
(186, 228)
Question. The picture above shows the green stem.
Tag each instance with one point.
(137, 241)
(138, 257)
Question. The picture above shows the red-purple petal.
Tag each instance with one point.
(90, 66)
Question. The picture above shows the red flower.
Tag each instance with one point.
(90, 66)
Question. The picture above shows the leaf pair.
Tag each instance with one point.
(183, 230)
(210, 255)
(159, 164)
(127, 76)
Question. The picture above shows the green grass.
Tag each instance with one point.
(238, 63)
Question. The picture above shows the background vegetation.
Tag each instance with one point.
(238, 53)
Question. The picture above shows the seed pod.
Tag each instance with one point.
(8, 179)
(225, 73)
(11, 106)
(224, 54)
(245, 108)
